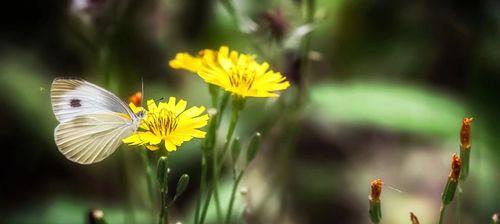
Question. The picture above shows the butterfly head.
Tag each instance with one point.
(140, 114)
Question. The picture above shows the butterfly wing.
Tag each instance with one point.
(73, 97)
(93, 120)
(91, 138)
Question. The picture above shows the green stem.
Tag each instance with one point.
(210, 149)
(149, 174)
(229, 136)
(216, 167)
(205, 206)
(202, 187)
(162, 210)
(163, 216)
(233, 196)
(441, 214)
(215, 186)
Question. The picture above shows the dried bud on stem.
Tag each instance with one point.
(465, 132)
(376, 189)
(465, 147)
(451, 184)
(375, 210)
(456, 166)
(136, 99)
(413, 218)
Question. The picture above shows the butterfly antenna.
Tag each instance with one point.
(142, 90)
(159, 99)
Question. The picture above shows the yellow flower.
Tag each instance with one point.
(169, 122)
(237, 73)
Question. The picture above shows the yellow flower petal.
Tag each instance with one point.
(170, 147)
(170, 122)
(152, 147)
(237, 73)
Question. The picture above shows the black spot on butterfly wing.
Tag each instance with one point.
(75, 103)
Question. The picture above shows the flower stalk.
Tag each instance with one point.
(375, 210)
(252, 150)
(162, 177)
(465, 148)
(238, 105)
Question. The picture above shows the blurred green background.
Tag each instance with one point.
(388, 84)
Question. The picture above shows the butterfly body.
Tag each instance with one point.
(93, 121)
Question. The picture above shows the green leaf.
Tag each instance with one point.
(404, 108)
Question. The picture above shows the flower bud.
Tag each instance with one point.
(456, 166)
(451, 184)
(375, 210)
(376, 189)
(182, 184)
(413, 218)
(465, 132)
(253, 147)
(162, 172)
(465, 147)
(136, 99)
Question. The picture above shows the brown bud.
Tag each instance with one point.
(413, 218)
(277, 23)
(456, 166)
(376, 189)
(136, 99)
(465, 132)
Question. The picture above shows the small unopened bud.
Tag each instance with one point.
(451, 184)
(182, 184)
(254, 146)
(277, 24)
(162, 172)
(456, 166)
(136, 99)
(96, 216)
(413, 218)
(375, 210)
(495, 219)
(465, 132)
(376, 189)
(465, 147)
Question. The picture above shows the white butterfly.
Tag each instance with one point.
(93, 121)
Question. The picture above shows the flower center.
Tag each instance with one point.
(242, 78)
(161, 123)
